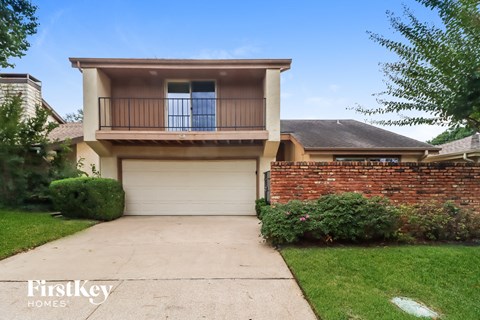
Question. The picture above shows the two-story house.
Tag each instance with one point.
(196, 136)
(185, 137)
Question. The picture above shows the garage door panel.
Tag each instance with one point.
(184, 180)
(180, 177)
(173, 209)
(210, 195)
(220, 187)
(179, 166)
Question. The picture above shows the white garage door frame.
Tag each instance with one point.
(183, 160)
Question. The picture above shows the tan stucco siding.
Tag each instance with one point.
(272, 96)
(289, 150)
(321, 157)
(88, 157)
(409, 158)
(295, 152)
(95, 84)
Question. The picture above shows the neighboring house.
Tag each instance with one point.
(30, 90)
(462, 150)
(190, 137)
(347, 140)
(80, 151)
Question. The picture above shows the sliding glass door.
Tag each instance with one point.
(191, 106)
(179, 106)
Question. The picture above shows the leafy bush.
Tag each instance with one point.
(288, 223)
(342, 217)
(90, 198)
(260, 204)
(437, 221)
(353, 217)
(26, 165)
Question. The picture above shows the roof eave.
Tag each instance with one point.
(53, 112)
(58, 142)
(282, 64)
(372, 148)
(456, 155)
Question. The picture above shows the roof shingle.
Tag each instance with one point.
(69, 130)
(461, 145)
(347, 134)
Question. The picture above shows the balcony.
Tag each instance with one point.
(182, 119)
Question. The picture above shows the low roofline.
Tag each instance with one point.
(373, 148)
(282, 64)
(57, 143)
(455, 155)
(285, 136)
(53, 112)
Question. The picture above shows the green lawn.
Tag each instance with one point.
(357, 283)
(20, 231)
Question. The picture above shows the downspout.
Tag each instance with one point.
(466, 158)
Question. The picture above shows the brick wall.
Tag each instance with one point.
(402, 183)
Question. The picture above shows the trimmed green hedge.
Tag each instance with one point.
(89, 198)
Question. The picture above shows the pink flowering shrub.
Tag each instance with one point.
(288, 223)
(347, 217)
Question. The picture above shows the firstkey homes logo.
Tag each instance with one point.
(56, 294)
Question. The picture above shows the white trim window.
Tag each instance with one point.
(390, 159)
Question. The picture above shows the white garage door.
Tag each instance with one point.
(157, 187)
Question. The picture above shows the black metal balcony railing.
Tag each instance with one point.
(181, 114)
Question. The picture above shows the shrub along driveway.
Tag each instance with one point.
(159, 267)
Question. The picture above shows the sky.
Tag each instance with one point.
(335, 65)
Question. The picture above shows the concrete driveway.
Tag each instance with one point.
(154, 268)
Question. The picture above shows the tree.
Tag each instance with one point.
(74, 116)
(17, 22)
(451, 134)
(26, 165)
(438, 72)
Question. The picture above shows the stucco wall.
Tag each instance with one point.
(88, 157)
(294, 151)
(321, 157)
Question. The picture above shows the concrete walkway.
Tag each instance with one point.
(158, 268)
